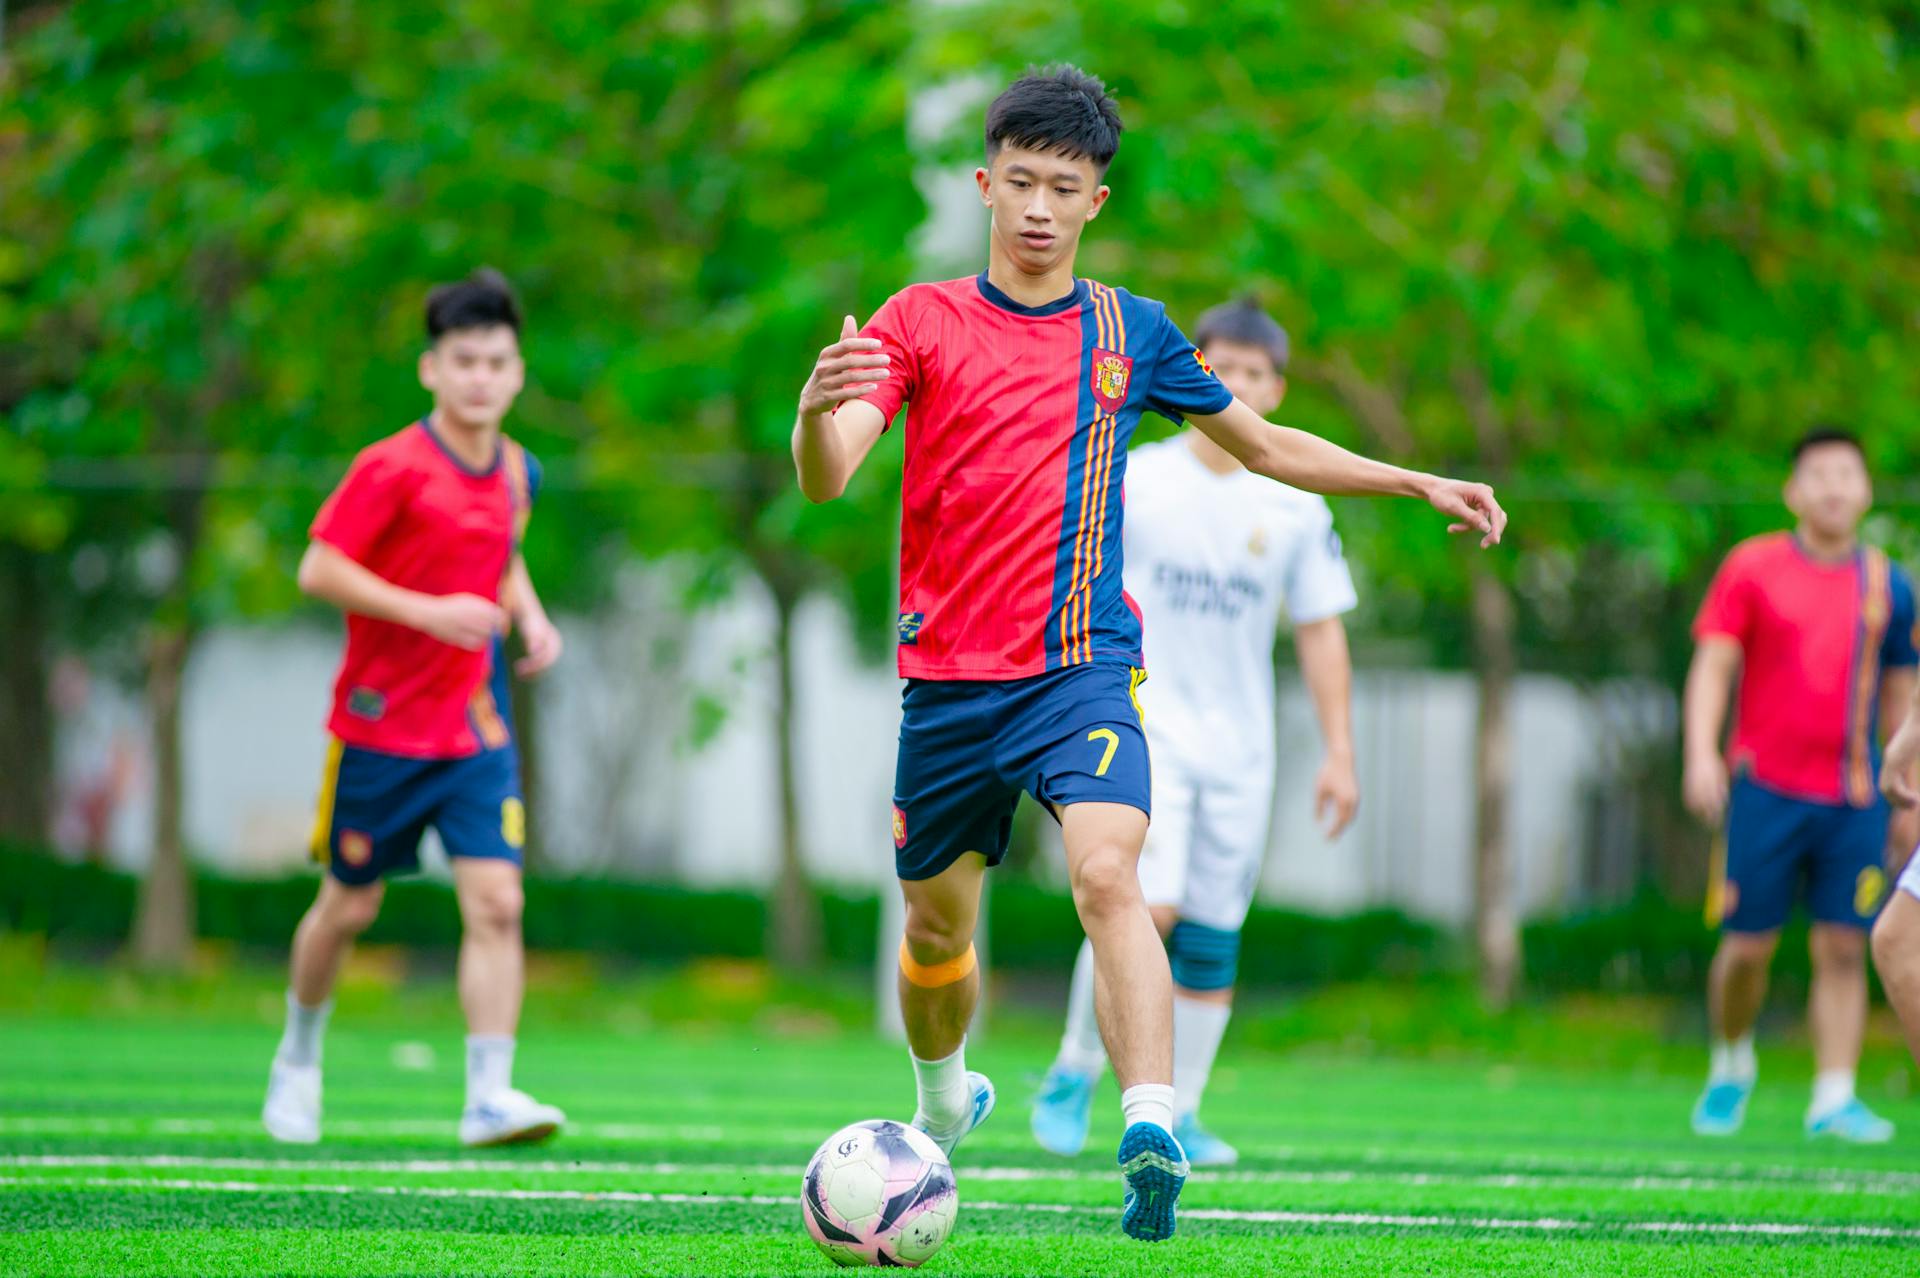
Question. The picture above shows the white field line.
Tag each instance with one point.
(1514, 1167)
(555, 1167)
(1364, 1220)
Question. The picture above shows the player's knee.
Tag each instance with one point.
(932, 939)
(1203, 958)
(352, 910)
(1747, 949)
(1105, 883)
(1838, 947)
(496, 907)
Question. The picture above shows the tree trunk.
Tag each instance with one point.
(163, 921)
(1495, 922)
(794, 912)
(26, 715)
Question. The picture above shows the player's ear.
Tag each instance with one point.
(984, 180)
(1100, 195)
(427, 370)
(1281, 394)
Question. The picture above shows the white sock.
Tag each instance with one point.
(1197, 1027)
(1832, 1088)
(306, 1026)
(489, 1066)
(945, 1100)
(1733, 1061)
(1081, 1050)
(1148, 1103)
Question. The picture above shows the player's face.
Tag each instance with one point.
(1249, 373)
(1040, 202)
(474, 374)
(1829, 489)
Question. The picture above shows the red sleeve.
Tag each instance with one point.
(893, 325)
(1727, 611)
(357, 512)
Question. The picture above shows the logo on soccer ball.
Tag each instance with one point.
(899, 827)
(355, 848)
(1111, 373)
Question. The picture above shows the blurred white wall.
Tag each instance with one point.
(631, 787)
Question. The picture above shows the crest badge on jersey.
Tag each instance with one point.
(899, 827)
(1111, 373)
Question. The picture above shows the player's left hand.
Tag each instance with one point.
(1336, 795)
(542, 639)
(1471, 507)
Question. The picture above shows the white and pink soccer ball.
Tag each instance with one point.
(879, 1193)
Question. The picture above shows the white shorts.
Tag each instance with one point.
(1909, 877)
(1206, 845)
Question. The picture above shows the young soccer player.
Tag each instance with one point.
(1020, 650)
(1213, 552)
(1817, 631)
(1896, 934)
(420, 547)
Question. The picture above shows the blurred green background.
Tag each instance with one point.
(1611, 258)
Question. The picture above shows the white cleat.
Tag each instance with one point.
(509, 1118)
(292, 1111)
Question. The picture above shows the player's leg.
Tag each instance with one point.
(1896, 953)
(1229, 846)
(367, 820)
(939, 986)
(1844, 892)
(482, 821)
(1765, 835)
(1061, 1111)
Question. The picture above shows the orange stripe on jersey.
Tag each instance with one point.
(1876, 612)
(487, 722)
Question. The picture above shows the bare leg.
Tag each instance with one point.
(1837, 1002)
(1737, 983)
(942, 913)
(1896, 952)
(1133, 986)
(492, 964)
(338, 915)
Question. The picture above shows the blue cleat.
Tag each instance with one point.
(981, 1088)
(1722, 1108)
(1853, 1123)
(1060, 1111)
(1155, 1168)
(1204, 1149)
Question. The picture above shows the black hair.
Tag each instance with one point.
(1058, 109)
(482, 300)
(1244, 322)
(1827, 433)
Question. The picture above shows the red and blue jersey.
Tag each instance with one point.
(1017, 429)
(1814, 638)
(415, 515)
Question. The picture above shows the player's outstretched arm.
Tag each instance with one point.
(537, 631)
(836, 429)
(1307, 461)
(465, 621)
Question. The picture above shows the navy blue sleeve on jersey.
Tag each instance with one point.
(1182, 381)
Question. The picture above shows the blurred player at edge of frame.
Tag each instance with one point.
(1817, 631)
(1213, 552)
(420, 547)
(1020, 649)
(1896, 934)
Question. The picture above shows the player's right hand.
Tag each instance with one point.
(1704, 787)
(464, 621)
(851, 367)
(1898, 767)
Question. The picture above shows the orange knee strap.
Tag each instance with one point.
(931, 976)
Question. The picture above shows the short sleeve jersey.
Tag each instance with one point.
(1814, 639)
(1017, 429)
(1215, 561)
(415, 515)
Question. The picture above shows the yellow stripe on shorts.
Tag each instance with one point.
(323, 813)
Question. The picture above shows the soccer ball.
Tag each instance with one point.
(879, 1193)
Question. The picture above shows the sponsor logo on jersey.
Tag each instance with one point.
(1111, 373)
(366, 703)
(909, 625)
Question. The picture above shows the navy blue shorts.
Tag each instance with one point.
(968, 748)
(374, 807)
(1779, 846)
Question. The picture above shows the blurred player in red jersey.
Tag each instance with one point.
(420, 547)
(1020, 648)
(1818, 630)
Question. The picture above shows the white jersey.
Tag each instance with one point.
(1212, 560)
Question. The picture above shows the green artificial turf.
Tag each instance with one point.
(129, 1145)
